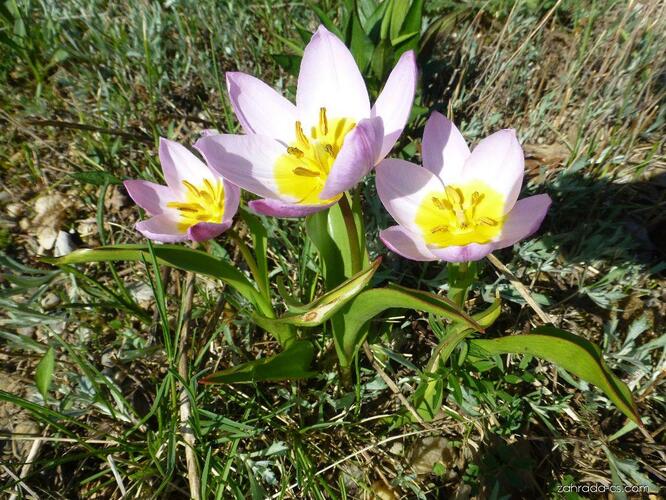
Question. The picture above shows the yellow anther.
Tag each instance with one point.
(488, 221)
(305, 172)
(295, 152)
(329, 149)
(323, 122)
(191, 188)
(454, 195)
(439, 229)
(442, 204)
(477, 198)
(300, 135)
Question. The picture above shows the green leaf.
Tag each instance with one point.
(179, 257)
(326, 20)
(327, 305)
(570, 352)
(260, 244)
(289, 62)
(291, 364)
(348, 324)
(398, 15)
(410, 32)
(44, 372)
(97, 178)
(361, 46)
(386, 20)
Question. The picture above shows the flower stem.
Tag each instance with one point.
(460, 279)
(251, 264)
(352, 234)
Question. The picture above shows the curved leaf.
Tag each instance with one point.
(327, 305)
(348, 324)
(291, 364)
(179, 257)
(571, 352)
(44, 372)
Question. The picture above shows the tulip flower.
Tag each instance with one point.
(301, 158)
(459, 206)
(196, 204)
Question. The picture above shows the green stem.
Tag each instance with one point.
(252, 265)
(352, 234)
(459, 282)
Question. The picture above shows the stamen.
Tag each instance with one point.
(191, 188)
(487, 221)
(323, 122)
(454, 195)
(442, 204)
(477, 198)
(439, 229)
(329, 149)
(300, 135)
(305, 172)
(295, 152)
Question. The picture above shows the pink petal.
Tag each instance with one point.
(498, 161)
(467, 253)
(149, 196)
(179, 164)
(330, 78)
(405, 243)
(161, 228)
(444, 149)
(524, 219)
(207, 230)
(260, 109)
(402, 186)
(231, 200)
(356, 158)
(277, 208)
(395, 101)
(247, 161)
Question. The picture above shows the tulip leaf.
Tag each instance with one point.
(327, 305)
(179, 257)
(568, 351)
(291, 364)
(44, 372)
(349, 324)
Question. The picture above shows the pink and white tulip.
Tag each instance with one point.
(460, 205)
(301, 158)
(196, 204)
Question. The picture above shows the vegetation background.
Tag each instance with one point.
(86, 89)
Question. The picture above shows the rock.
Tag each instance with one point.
(116, 198)
(49, 215)
(429, 451)
(14, 210)
(24, 224)
(46, 237)
(50, 300)
(64, 244)
(141, 293)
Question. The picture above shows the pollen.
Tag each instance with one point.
(461, 214)
(203, 203)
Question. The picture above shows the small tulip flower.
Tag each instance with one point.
(196, 204)
(459, 206)
(301, 159)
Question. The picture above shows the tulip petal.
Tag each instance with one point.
(524, 219)
(401, 186)
(444, 149)
(179, 164)
(356, 158)
(329, 78)
(405, 243)
(231, 200)
(395, 101)
(161, 228)
(466, 253)
(260, 109)
(498, 161)
(277, 208)
(149, 196)
(245, 160)
(207, 230)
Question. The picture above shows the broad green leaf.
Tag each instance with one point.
(179, 257)
(398, 15)
(44, 372)
(292, 303)
(289, 62)
(571, 352)
(361, 46)
(386, 21)
(324, 307)
(291, 364)
(410, 32)
(97, 178)
(349, 323)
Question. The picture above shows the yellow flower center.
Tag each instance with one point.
(204, 203)
(460, 215)
(303, 170)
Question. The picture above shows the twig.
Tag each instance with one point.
(119, 480)
(185, 411)
(394, 388)
(19, 437)
(20, 482)
(520, 288)
(137, 136)
(25, 470)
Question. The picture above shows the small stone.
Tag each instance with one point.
(28, 331)
(116, 199)
(46, 237)
(14, 210)
(64, 244)
(141, 293)
(24, 224)
(429, 451)
(50, 300)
